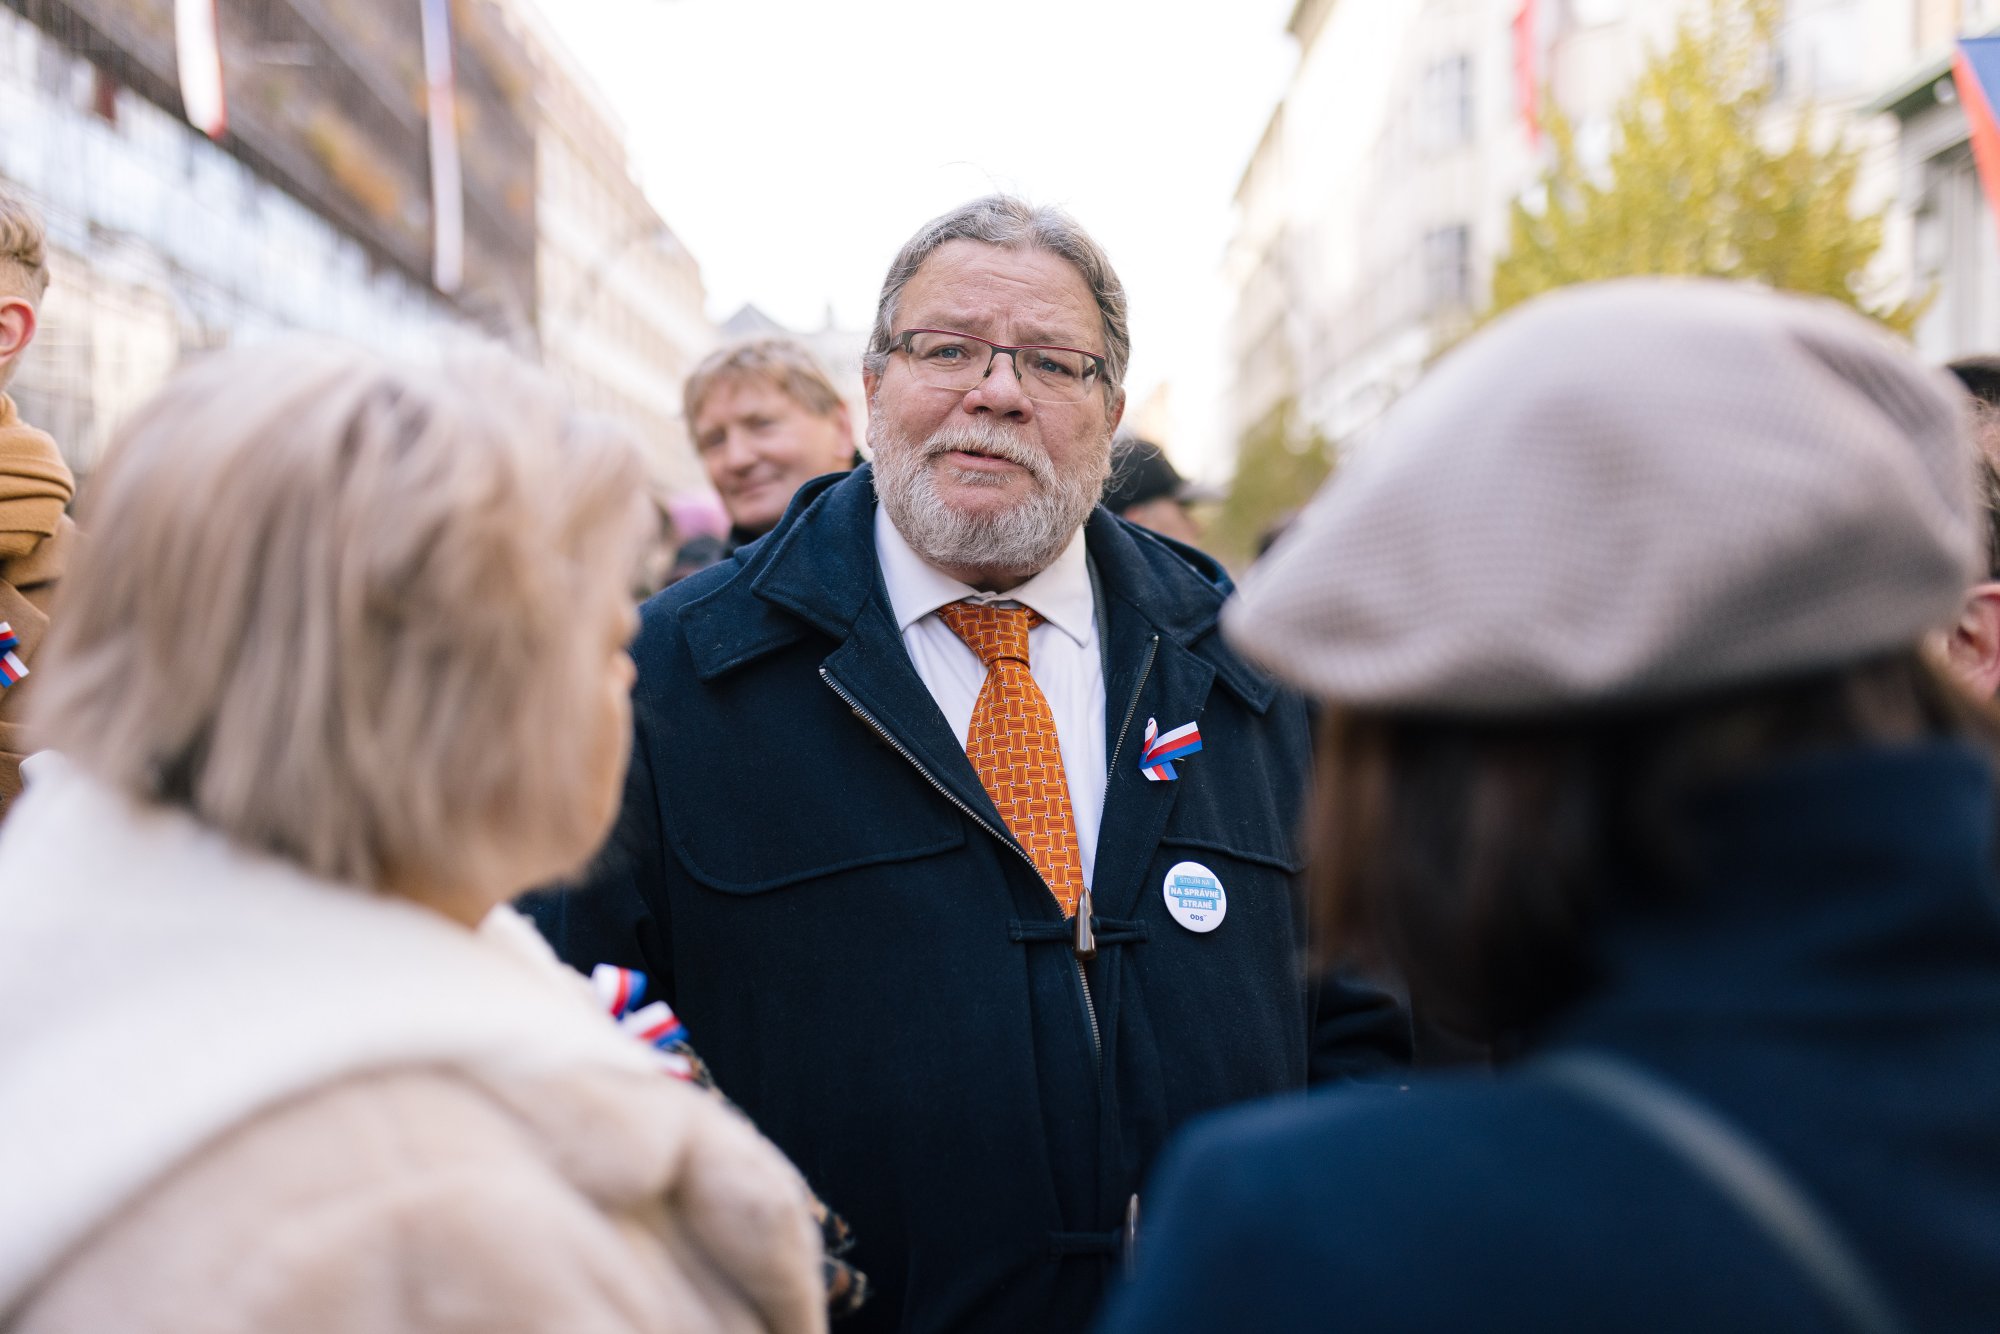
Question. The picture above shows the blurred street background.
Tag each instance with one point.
(1308, 202)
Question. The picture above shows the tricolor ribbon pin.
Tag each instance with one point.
(619, 989)
(1162, 749)
(12, 669)
(656, 1025)
(622, 992)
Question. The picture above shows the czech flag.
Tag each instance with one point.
(1156, 760)
(1975, 71)
(12, 669)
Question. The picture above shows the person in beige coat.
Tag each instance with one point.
(345, 673)
(36, 534)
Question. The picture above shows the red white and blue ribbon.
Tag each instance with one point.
(623, 992)
(12, 669)
(1163, 748)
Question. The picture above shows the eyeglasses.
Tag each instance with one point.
(960, 361)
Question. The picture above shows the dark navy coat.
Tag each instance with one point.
(874, 969)
(1834, 991)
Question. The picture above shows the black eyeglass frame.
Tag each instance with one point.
(1100, 368)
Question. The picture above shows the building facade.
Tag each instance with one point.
(312, 213)
(1952, 242)
(621, 302)
(1372, 214)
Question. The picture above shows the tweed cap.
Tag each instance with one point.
(1627, 492)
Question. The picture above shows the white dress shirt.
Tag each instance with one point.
(1063, 657)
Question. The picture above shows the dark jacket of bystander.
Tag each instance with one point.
(1832, 989)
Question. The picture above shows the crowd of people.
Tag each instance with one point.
(1557, 891)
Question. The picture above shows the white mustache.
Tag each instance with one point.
(989, 441)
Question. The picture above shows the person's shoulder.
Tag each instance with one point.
(1274, 1214)
(1129, 552)
(1368, 1133)
(1351, 1159)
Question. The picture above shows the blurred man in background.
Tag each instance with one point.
(36, 534)
(765, 420)
(1973, 647)
(1146, 489)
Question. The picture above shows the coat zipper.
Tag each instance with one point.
(1083, 905)
(1131, 711)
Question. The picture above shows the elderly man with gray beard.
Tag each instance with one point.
(956, 835)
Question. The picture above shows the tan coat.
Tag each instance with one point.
(421, 1203)
(36, 543)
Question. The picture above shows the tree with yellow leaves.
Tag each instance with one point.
(1700, 182)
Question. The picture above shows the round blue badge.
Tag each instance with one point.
(1195, 897)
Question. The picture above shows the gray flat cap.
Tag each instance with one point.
(1624, 492)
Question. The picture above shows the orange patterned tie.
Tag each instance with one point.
(1012, 743)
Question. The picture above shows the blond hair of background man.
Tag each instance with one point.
(36, 535)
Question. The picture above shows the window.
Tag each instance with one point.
(1590, 13)
(1444, 105)
(1447, 269)
(1820, 50)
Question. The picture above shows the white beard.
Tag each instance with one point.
(1023, 540)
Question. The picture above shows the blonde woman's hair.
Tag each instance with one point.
(355, 614)
(24, 249)
(785, 364)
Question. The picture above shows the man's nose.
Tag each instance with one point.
(1000, 391)
(737, 456)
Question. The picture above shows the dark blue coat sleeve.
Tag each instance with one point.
(616, 912)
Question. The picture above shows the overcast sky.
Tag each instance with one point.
(795, 144)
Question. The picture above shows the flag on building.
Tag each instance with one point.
(198, 61)
(447, 177)
(1528, 68)
(1975, 72)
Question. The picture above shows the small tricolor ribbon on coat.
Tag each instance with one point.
(12, 669)
(623, 994)
(1162, 749)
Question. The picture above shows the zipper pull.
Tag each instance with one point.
(1084, 943)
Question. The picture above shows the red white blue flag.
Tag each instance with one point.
(1529, 48)
(1975, 72)
(12, 669)
(1163, 748)
(198, 61)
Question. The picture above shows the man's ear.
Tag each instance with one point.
(870, 382)
(17, 328)
(1115, 413)
(1972, 650)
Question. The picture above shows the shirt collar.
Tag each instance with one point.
(1061, 593)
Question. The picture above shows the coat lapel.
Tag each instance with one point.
(1150, 674)
(822, 569)
(873, 669)
(1174, 691)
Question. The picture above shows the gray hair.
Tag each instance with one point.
(1003, 220)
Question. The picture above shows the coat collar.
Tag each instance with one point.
(817, 571)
